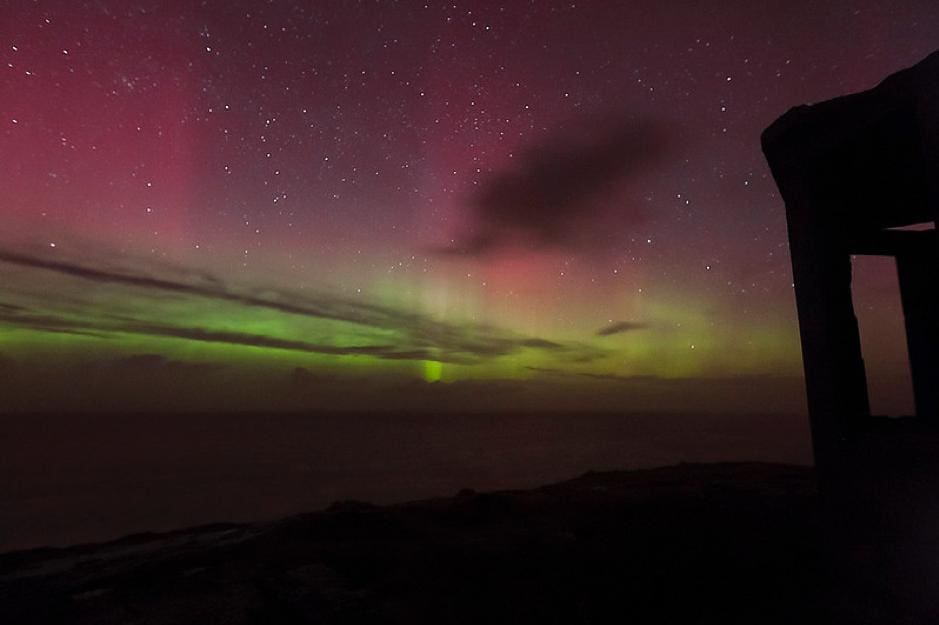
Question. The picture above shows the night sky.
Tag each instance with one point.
(384, 205)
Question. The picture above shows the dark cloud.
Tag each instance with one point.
(24, 318)
(593, 376)
(461, 353)
(541, 344)
(156, 363)
(214, 290)
(422, 338)
(451, 347)
(143, 361)
(53, 323)
(621, 326)
(549, 370)
(620, 378)
(553, 197)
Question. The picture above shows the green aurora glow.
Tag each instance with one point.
(76, 316)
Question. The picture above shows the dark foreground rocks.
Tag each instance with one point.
(722, 543)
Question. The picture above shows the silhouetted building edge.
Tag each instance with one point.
(851, 171)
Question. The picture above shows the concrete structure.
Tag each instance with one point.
(854, 172)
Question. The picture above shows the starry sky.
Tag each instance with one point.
(404, 205)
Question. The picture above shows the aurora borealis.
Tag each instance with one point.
(227, 205)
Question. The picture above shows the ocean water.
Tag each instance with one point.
(74, 478)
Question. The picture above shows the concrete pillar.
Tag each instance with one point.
(918, 272)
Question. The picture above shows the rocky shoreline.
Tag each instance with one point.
(688, 543)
